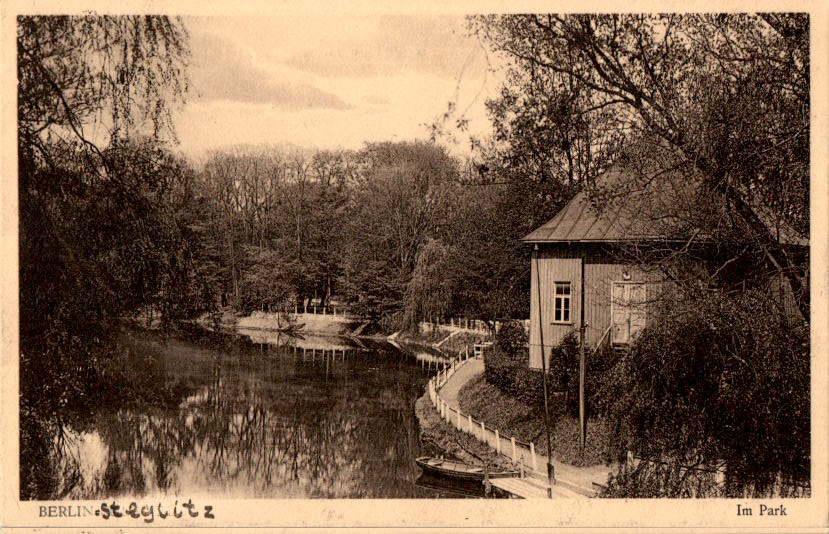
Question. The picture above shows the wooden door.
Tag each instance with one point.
(620, 315)
(628, 311)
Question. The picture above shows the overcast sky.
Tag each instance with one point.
(331, 81)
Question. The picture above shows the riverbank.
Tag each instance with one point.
(486, 402)
(445, 340)
(583, 480)
(303, 323)
(452, 442)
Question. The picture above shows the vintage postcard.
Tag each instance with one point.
(378, 266)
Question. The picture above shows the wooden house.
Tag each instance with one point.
(579, 275)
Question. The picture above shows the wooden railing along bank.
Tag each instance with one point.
(518, 451)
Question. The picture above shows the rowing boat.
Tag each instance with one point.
(459, 470)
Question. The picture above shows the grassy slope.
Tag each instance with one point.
(514, 418)
(453, 442)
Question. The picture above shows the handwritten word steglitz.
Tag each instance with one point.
(147, 512)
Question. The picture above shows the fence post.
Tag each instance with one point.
(470, 424)
(483, 432)
(514, 455)
(497, 442)
(532, 453)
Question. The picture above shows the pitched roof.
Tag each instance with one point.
(623, 206)
(617, 208)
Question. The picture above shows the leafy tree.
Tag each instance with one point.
(714, 110)
(428, 293)
(98, 233)
(401, 202)
(704, 387)
(729, 93)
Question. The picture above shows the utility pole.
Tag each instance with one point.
(582, 369)
(551, 474)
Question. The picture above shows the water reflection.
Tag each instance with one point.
(258, 419)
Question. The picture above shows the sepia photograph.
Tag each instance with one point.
(550, 257)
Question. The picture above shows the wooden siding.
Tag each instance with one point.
(562, 263)
(551, 269)
(597, 302)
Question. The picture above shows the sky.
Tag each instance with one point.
(330, 81)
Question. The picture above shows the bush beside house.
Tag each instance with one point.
(507, 369)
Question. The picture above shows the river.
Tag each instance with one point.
(258, 416)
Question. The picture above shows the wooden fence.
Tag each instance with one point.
(471, 325)
(518, 451)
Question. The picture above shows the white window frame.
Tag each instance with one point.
(568, 297)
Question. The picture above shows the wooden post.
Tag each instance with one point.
(497, 442)
(514, 455)
(483, 432)
(551, 474)
(582, 370)
(470, 423)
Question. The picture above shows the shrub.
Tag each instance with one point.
(507, 367)
(511, 340)
(722, 379)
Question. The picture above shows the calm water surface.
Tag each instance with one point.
(260, 415)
